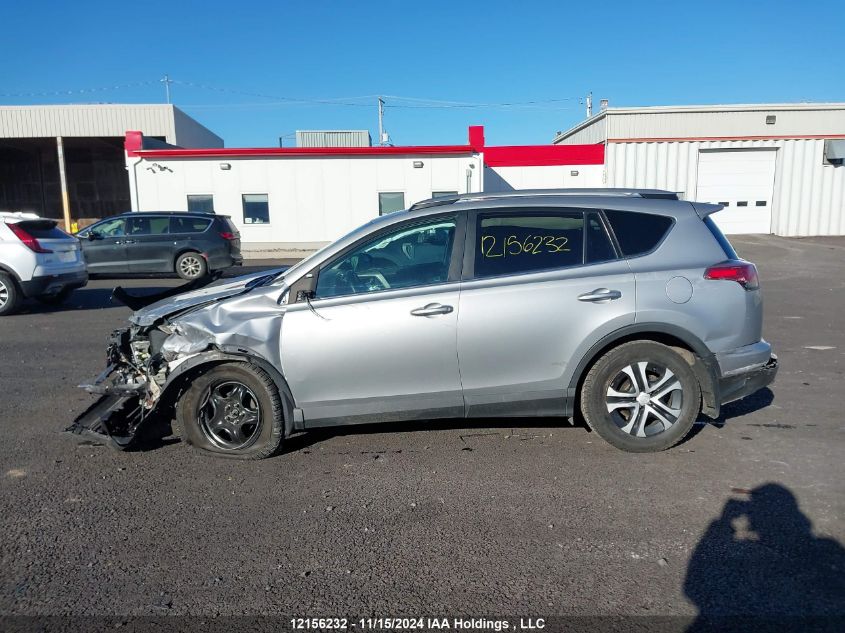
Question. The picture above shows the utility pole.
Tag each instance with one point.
(167, 81)
(589, 105)
(380, 121)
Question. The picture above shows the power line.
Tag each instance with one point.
(54, 93)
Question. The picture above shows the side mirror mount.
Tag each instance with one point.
(93, 235)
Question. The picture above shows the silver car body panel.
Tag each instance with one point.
(510, 345)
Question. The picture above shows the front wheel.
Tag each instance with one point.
(234, 410)
(191, 266)
(641, 397)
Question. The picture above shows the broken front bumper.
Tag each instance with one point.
(125, 402)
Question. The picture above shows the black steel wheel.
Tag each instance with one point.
(233, 409)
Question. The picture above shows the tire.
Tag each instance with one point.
(10, 295)
(232, 410)
(638, 420)
(56, 299)
(191, 265)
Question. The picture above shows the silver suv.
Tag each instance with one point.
(37, 260)
(629, 306)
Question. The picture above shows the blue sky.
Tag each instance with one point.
(250, 55)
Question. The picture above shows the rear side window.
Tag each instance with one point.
(188, 225)
(43, 229)
(637, 233)
(720, 237)
(599, 246)
(148, 226)
(528, 242)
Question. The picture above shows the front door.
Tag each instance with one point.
(103, 245)
(541, 286)
(378, 340)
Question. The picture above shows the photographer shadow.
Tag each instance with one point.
(759, 567)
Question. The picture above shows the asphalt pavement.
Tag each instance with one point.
(511, 517)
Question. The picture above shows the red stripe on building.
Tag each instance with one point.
(691, 139)
(543, 155)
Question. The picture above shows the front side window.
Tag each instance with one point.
(110, 228)
(201, 203)
(256, 208)
(417, 255)
(508, 244)
(637, 233)
(390, 201)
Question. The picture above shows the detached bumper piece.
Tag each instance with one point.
(114, 419)
(745, 383)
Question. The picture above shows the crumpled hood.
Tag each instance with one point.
(215, 292)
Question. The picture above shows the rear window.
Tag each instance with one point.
(188, 225)
(43, 229)
(720, 237)
(638, 233)
(528, 242)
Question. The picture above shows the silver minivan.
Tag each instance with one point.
(628, 306)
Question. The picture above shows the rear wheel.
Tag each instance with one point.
(233, 409)
(191, 265)
(641, 397)
(10, 296)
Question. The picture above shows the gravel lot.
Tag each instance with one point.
(442, 519)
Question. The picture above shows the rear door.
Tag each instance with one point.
(104, 248)
(540, 287)
(149, 246)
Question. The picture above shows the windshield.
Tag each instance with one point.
(306, 263)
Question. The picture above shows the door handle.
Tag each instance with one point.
(600, 295)
(432, 309)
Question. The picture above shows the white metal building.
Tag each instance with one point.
(285, 200)
(777, 168)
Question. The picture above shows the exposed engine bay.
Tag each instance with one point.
(171, 334)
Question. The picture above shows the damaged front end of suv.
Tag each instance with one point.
(172, 336)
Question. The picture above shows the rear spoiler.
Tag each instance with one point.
(703, 209)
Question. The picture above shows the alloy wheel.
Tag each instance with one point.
(190, 266)
(644, 399)
(229, 415)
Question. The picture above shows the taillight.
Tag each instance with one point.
(29, 241)
(743, 273)
(228, 236)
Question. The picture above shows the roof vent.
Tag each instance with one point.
(603, 104)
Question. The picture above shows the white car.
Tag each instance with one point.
(37, 260)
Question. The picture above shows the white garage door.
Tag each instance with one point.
(743, 181)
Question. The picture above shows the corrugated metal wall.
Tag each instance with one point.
(332, 138)
(86, 120)
(799, 122)
(809, 196)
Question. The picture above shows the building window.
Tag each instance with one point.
(256, 208)
(390, 201)
(443, 194)
(201, 203)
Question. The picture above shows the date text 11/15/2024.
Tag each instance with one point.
(417, 624)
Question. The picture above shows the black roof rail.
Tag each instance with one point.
(654, 194)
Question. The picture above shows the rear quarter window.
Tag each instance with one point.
(720, 237)
(188, 225)
(638, 233)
